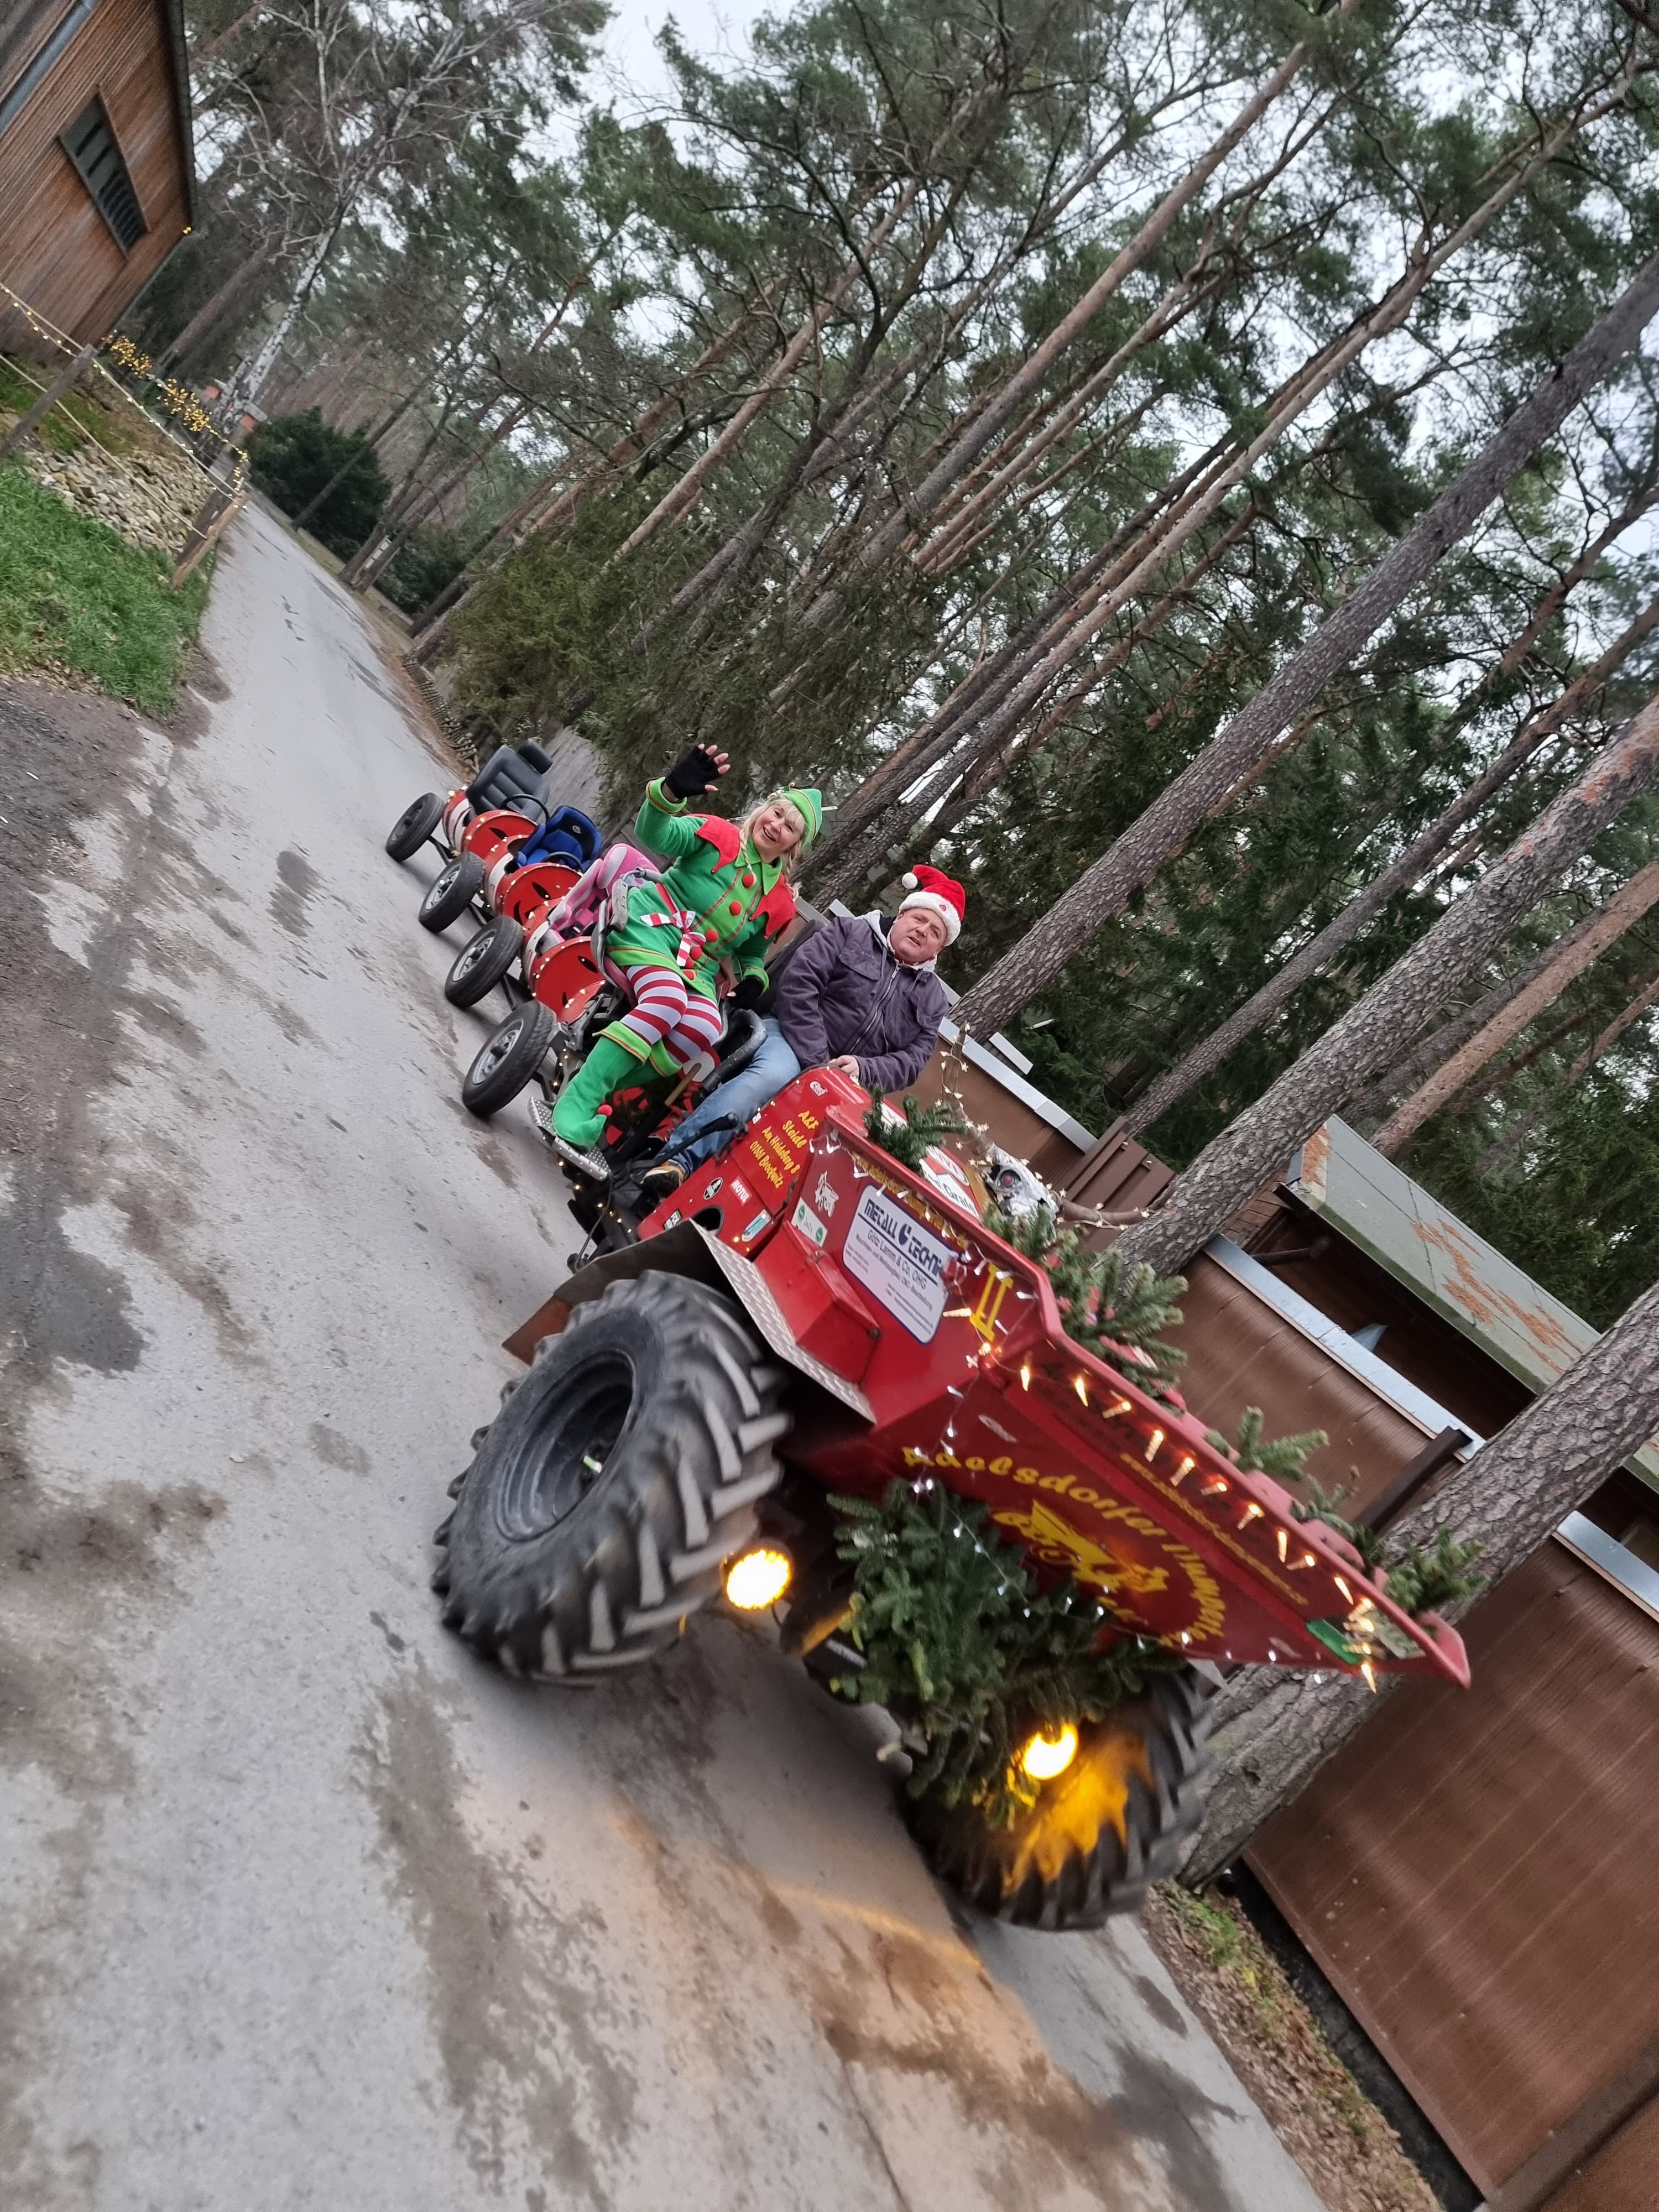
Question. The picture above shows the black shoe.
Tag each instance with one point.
(658, 1183)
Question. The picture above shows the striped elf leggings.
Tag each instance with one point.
(665, 1013)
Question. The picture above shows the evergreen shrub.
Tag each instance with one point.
(292, 456)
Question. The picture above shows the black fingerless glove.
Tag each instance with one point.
(751, 992)
(690, 777)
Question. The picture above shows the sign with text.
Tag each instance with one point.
(898, 1261)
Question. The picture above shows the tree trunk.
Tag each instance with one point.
(980, 429)
(1581, 1067)
(1318, 953)
(1510, 1496)
(1491, 1080)
(258, 373)
(875, 816)
(423, 503)
(1088, 611)
(961, 530)
(1206, 785)
(1574, 953)
(1234, 1165)
(988, 769)
(1451, 1036)
(686, 491)
(243, 281)
(536, 512)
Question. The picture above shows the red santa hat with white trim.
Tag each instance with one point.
(939, 893)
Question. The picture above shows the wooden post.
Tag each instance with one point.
(48, 399)
(215, 511)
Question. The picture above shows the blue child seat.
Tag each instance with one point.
(567, 835)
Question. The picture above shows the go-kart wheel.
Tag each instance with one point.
(484, 963)
(622, 1469)
(414, 826)
(1099, 1833)
(451, 892)
(506, 1061)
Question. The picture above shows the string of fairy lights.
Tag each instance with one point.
(163, 401)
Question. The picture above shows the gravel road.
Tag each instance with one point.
(300, 1905)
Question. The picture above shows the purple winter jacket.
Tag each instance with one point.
(844, 992)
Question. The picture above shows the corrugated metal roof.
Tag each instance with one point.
(1468, 1282)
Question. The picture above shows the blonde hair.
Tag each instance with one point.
(787, 861)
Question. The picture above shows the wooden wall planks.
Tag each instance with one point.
(1474, 1870)
(56, 250)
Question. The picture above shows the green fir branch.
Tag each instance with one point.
(963, 1648)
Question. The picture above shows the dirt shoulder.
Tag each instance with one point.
(1348, 2151)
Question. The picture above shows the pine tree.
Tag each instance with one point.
(1212, 779)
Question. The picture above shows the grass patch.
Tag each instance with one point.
(77, 419)
(77, 600)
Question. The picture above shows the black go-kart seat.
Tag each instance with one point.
(511, 774)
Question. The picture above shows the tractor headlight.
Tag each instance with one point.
(759, 1577)
(1048, 1752)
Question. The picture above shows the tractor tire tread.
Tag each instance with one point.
(612, 1586)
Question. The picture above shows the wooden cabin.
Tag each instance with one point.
(1470, 1873)
(97, 173)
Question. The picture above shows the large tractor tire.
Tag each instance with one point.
(452, 891)
(624, 1468)
(414, 826)
(1100, 1833)
(508, 1060)
(484, 962)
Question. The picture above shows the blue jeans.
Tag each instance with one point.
(734, 1102)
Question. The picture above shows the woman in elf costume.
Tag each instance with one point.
(728, 891)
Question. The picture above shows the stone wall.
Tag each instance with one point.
(111, 461)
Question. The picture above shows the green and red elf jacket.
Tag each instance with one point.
(735, 901)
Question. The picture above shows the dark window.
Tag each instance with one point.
(90, 144)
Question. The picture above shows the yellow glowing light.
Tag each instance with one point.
(1184, 1469)
(1118, 1406)
(1048, 1752)
(1283, 1543)
(1370, 1672)
(1025, 1375)
(1154, 1443)
(1252, 1512)
(1081, 1387)
(1214, 1486)
(1343, 1587)
(758, 1576)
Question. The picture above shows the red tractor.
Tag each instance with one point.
(808, 1318)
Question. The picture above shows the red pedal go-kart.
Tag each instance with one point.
(806, 1317)
(484, 832)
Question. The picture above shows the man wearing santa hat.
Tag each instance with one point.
(859, 995)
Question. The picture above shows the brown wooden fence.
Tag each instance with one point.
(1474, 1872)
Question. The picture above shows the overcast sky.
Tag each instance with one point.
(629, 63)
